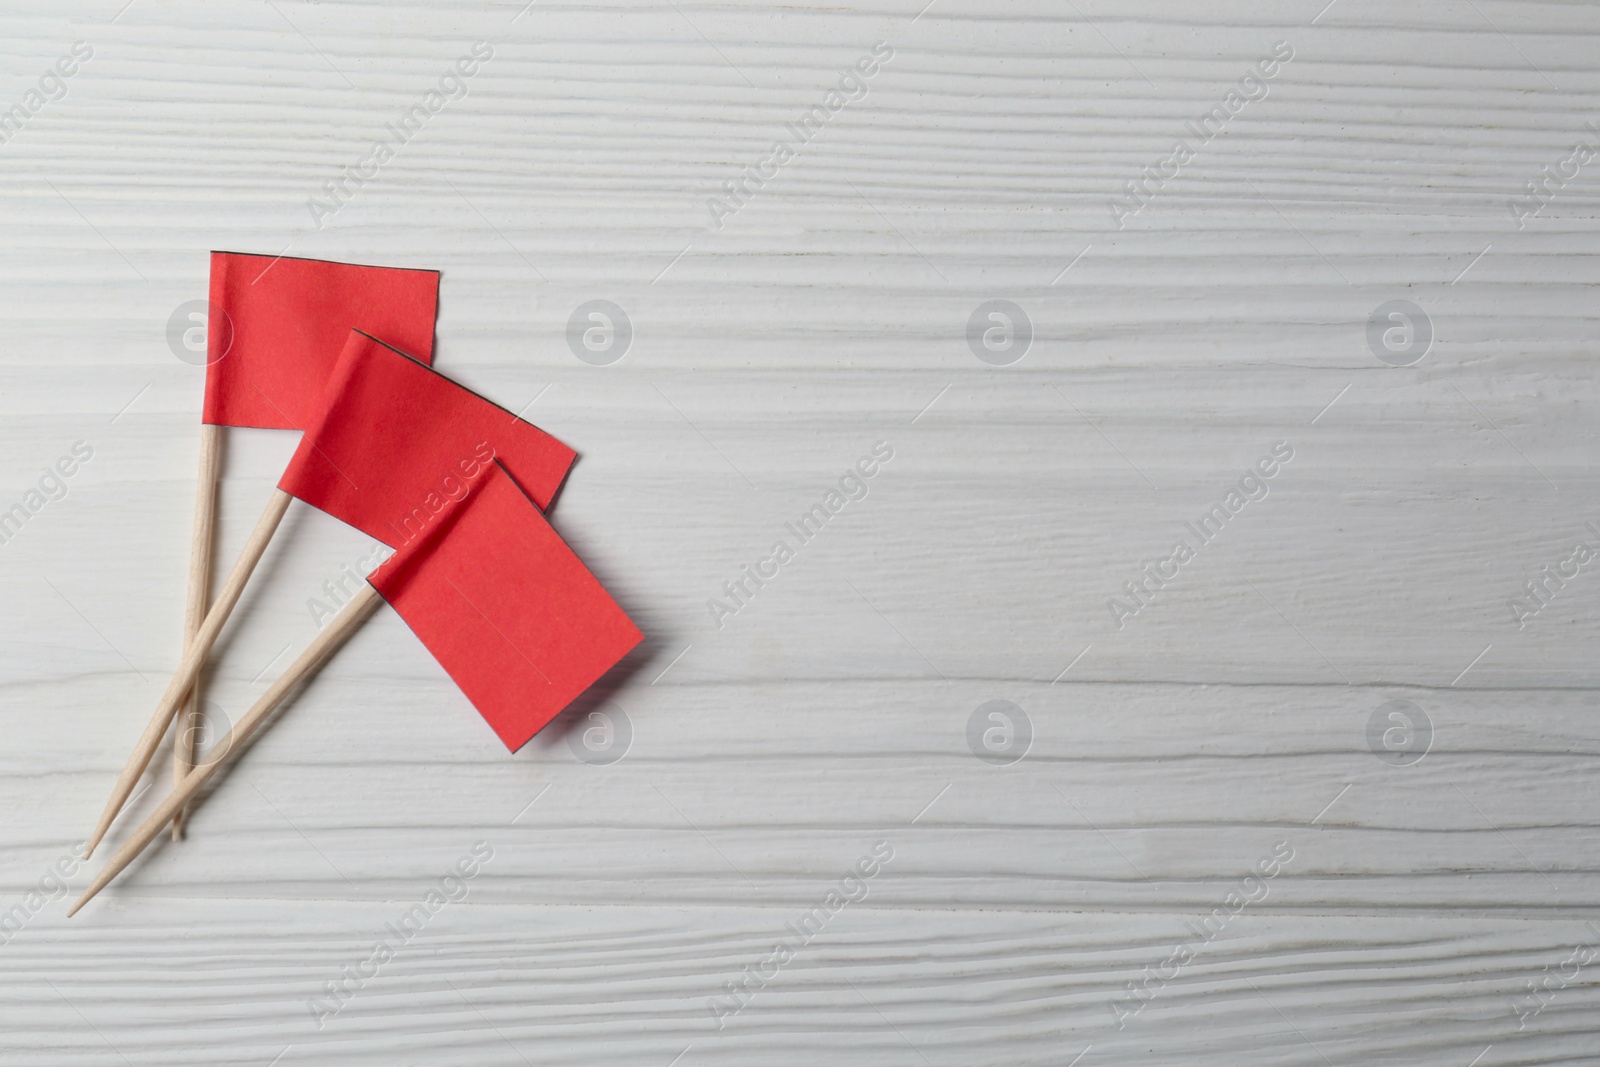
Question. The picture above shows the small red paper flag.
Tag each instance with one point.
(507, 609)
(396, 442)
(281, 324)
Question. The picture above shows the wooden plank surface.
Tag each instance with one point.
(1092, 883)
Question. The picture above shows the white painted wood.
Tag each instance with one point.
(1168, 758)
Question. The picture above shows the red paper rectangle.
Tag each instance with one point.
(277, 325)
(506, 608)
(395, 442)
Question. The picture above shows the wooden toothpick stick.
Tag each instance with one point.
(342, 626)
(184, 738)
(194, 658)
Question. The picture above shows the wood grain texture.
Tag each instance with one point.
(1433, 911)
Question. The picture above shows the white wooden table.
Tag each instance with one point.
(1205, 836)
